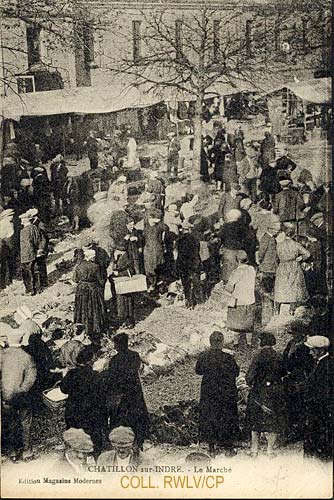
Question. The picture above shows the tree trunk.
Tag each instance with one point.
(197, 137)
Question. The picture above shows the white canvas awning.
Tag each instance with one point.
(81, 100)
(317, 90)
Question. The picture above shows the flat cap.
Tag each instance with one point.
(317, 341)
(78, 440)
(122, 436)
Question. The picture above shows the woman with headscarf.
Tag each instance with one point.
(290, 285)
(89, 306)
(265, 411)
(241, 308)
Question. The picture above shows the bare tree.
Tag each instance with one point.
(206, 47)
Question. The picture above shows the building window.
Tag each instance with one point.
(178, 40)
(136, 36)
(88, 42)
(249, 37)
(33, 44)
(216, 40)
(25, 84)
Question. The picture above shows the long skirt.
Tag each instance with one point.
(290, 286)
(89, 307)
(241, 318)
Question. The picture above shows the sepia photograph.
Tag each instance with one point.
(166, 249)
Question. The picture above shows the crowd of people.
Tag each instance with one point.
(267, 241)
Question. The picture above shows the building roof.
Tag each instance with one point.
(317, 90)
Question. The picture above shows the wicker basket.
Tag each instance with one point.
(51, 404)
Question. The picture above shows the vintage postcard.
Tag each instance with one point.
(166, 249)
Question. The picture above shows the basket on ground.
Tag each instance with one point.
(54, 399)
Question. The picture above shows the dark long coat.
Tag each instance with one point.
(319, 410)
(85, 408)
(122, 383)
(153, 249)
(266, 403)
(269, 182)
(219, 420)
(204, 165)
(89, 307)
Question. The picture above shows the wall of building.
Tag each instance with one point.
(113, 39)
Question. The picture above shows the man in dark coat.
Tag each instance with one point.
(71, 201)
(92, 150)
(284, 165)
(205, 158)
(30, 248)
(230, 200)
(288, 204)
(219, 420)
(174, 147)
(267, 149)
(124, 392)
(42, 193)
(188, 264)
(298, 364)
(323, 198)
(318, 441)
(42, 253)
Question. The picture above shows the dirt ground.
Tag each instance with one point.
(182, 332)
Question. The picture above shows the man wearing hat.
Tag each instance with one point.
(174, 147)
(42, 193)
(284, 164)
(71, 201)
(18, 373)
(30, 245)
(318, 441)
(123, 451)
(153, 249)
(188, 264)
(59, 173)
(78, 453)
(156, 187)
(288, 203)
(230, 200)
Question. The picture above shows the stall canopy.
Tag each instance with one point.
(317, 90)
(81, 100)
